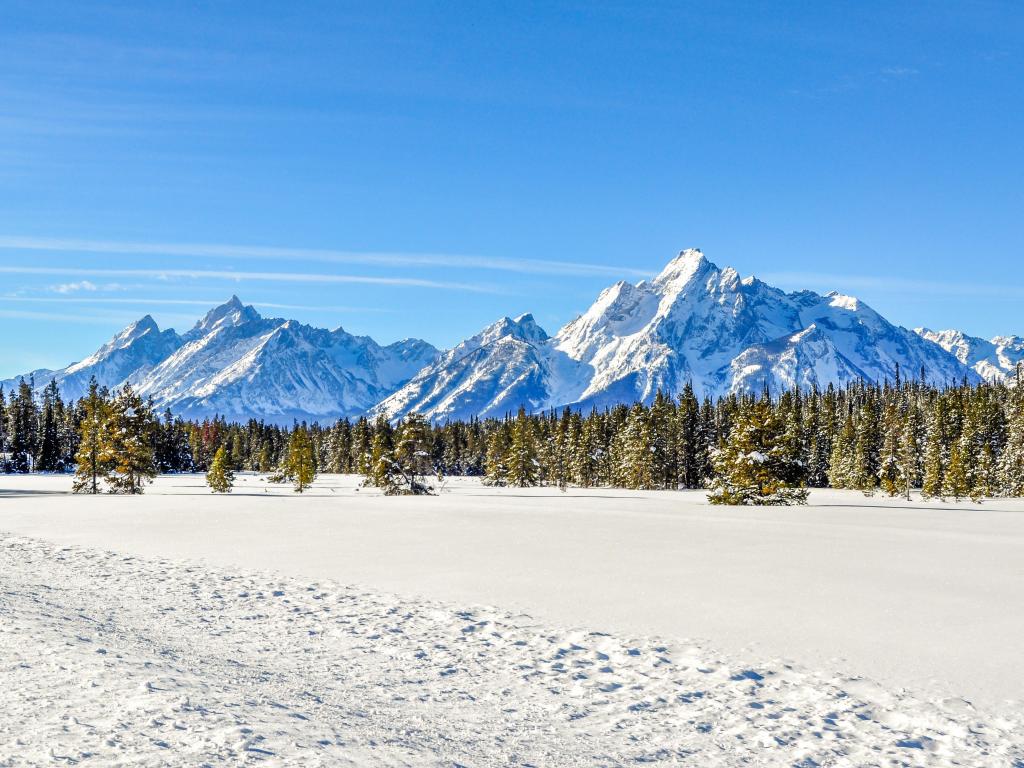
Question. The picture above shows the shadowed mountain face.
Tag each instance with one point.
(694, 323)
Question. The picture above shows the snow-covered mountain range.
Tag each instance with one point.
(238, 364)
(693, 323)
(994, 360)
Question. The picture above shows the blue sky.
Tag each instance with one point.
(424, 168)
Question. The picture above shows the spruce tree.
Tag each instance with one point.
(750, 466)
(842, 469)
(1011, 463)
(220, 476)
(634, 451)
(410, 461)
(300, 462)
(889, 471)
(496, 462)
(522, 453)
(93, 463)
(129, 442)
(935, 451)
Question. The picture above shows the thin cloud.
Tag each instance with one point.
(285, 277)
(187, 303)
(63, 317)
(81, 285)
(899, 71)
(374, 258)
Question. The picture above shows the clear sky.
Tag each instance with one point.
(423, 168)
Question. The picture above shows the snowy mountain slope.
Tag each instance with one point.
(236, 363)
(506, 365)
(131, 353)
(693, 323)
(240, 365)
(994, 360)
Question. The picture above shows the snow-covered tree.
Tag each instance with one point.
(751, 467)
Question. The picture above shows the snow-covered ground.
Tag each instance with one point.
(182, 628)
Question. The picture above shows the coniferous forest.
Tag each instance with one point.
(957, 442)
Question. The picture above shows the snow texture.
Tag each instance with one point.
(167, 651)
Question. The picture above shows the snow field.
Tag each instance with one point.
(186, 628)
(116, 659)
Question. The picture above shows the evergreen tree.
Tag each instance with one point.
(128, 445)
(496, 465)
(220, 476)
(750, 466)
(634, 451)
(1011, 463)
(300, 466)
(842, 470)
(522, 453)
(93, 462)
(411, 461)
(935, 451)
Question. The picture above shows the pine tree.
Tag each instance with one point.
(909, 456)
(750, 467)
(842, 470)
(522, 454)
(956, 480)
(889, 475)
(1011, 463)
(300, 465)
(128, 447)
(866, 450)
(634, 451)
(410, 461)
(49, 444)
(935, 451)
(220, 477)
(92, 460)
(496, 463)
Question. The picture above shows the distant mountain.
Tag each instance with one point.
(129, 355)
(693, 323)
(238, 364)
(994, 360)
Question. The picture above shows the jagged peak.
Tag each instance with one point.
(231, 310)
(1008, 341)
(524, 327)
(843, 301)
(684, 267)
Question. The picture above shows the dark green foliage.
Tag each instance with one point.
(955, 442)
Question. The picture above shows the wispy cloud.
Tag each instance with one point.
(93, 319)
(278, 253)
(145, 302)
(279, 277)
(898, 71)
(81, 285)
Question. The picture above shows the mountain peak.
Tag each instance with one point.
(684, 267)
(231, 312)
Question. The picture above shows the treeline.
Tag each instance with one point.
(963, 441)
